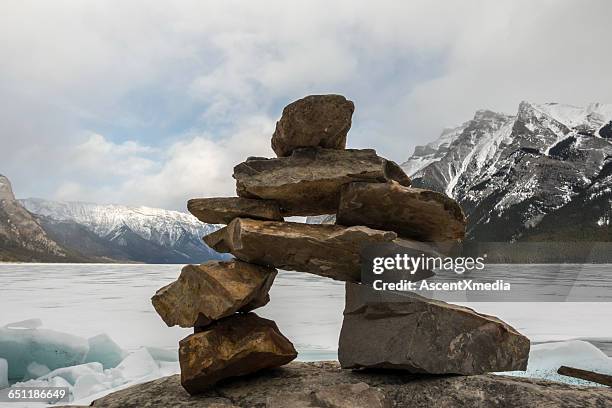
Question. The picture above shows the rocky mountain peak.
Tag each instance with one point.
(488, 115)
(6, 191)
(526, 107)
(512, 174)
(21, 236)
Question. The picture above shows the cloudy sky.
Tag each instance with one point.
(153, 102)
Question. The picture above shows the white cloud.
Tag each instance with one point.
(98, 156)
(196, 166)
(200, 166)
(182, 91)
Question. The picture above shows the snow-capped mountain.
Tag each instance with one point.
(119, 232)
(542, 174)
(163, 227)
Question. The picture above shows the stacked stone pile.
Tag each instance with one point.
(216, 299)
(374, 204)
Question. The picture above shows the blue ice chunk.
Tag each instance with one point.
(162, 354)
(71, 374)
(25, 324)
(104, 350)
(20, 347)
(3, 373)
(35, 370)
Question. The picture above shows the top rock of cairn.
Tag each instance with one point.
(313, 121)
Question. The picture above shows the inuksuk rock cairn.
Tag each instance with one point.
(314, 174)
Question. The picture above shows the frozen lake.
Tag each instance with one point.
(86, 299)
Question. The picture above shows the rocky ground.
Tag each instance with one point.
(324, 384)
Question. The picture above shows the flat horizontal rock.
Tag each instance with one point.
(324, 384)
(235, 346)
(411, 212)
(327, 250)
(223, 210)
(420, 335)
(308, 182)
(211, 291)
(316, 120)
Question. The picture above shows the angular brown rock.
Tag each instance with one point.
(420, 335)
(211, 291)
(322, 249)
(413, 213)
(308, 182)
(313, 121)
(222, 210)
(235, 346)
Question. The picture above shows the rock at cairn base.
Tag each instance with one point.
(324, 384)
(211, 291)
(327, 250)
(224, 209)
(411, 212)
(309, 181)
(420, 335)
(238, 345)
(314, 121)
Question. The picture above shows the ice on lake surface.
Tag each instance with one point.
(545, 359)
(89, 381)
(49, 348)
(104, 315)
(104, 350)
(3, 373)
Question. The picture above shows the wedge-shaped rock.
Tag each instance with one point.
(211, 291)
(238, 345)
(308, 182)
(223, 210)
(316, 120)
(420, 335)
(322, 249)
(411, 212)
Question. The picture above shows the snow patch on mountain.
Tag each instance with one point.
(594, 115)
(164, 227)
(431, 152)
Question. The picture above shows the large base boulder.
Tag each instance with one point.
(316, 120)
(411, 212)
(324, 384)
(326, 250)
(222, 210)
(211, 291)
(238, 345)
(308, 182)
(412, 333)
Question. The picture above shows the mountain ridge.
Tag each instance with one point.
(139, 234)
(512, 172)
(38, 230)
